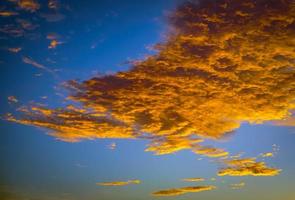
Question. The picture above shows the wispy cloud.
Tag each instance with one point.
(32, 62)
(237, 185)
(193, 179)
(8, 13)
(183, 190)
(119, 183)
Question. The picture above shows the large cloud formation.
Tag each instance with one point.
(223, 62)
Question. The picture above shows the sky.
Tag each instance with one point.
(158, 99)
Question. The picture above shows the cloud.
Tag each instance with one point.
(29, 5)
(211, 152)
(12, 30)
(15, 49)
(237, 185)
(112, 146)
(268, 154)
(53, 4)
(168, 145)
(27, 25)
(289, 121)
(73, 121)
(30, 61)
(193, 179)
(119, 183)
(183, 190)
(221, 64)
(12, 99)
(8, 13)
(247, 167)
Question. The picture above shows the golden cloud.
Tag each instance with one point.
(7, 13)
(29, 5)
(247, 167)
(119, 183)
(211, 152)
(223, 63)
(183, 190)
(268, 154)
(289, 121)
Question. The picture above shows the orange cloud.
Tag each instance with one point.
(29, 5)
(119, 183)
(211, 152)
(247, 167)
(7, 13)
(289, 121)
(183, 190)
(172, 144)
(222, 64)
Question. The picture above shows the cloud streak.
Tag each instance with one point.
(183, 190)
(119, 183)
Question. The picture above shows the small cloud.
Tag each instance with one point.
(183, 190)
(211, 152)
(12, 99)
(14, 49)
(193, 179)
(52, 36)
(53, 44)
(8, 13)
(268, 154)
(12, 30)
(53, 4)
(237, 185)
(119, 183)
(30, 61)
(29, 5)
(27, 25)
(112, 146)
(168, 145)
(247, 167)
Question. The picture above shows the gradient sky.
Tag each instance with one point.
(97, 38)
